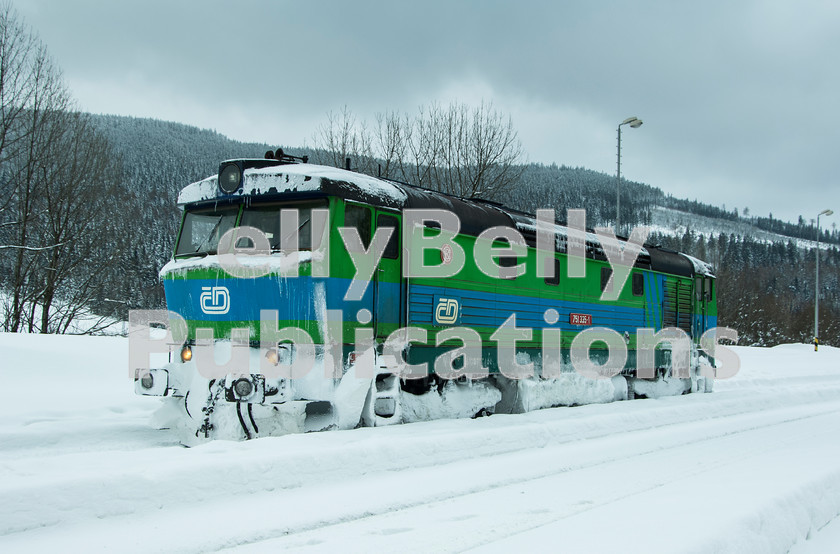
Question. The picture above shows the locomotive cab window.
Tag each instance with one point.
(392, 249)
(638, 284)
(202, 229)
(268, 219)
(605, 278)
(359, 217)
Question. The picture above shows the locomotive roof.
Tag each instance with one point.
(475, 215)
(330, 181)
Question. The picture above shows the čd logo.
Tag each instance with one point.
(215, 300)
(447, 311)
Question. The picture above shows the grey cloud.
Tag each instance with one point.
(739, 99)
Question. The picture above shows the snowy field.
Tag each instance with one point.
(754, 467)
(675, 223)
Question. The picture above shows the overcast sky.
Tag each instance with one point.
(740, 100)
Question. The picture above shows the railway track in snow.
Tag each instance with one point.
(752, 466)
(298, 490)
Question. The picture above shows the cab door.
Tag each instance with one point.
(699, 311)
(388, 299)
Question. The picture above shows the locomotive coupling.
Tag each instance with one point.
(245, 388)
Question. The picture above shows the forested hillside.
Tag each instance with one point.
(766, 286)
(158, 159)
(766, 289)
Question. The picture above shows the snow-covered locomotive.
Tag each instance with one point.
(308, 217)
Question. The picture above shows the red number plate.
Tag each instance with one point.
(580, 319)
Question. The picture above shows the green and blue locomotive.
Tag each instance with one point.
(314, 224)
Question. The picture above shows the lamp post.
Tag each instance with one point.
(817, 285)
(635, 123)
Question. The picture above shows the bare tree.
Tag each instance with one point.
(19, 51)
(78, 184)
(391, 142)
(342, 137)
(469, 152)
(27, 133)
(54, 173)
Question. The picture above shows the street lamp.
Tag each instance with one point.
(817, 285)
(635, 123)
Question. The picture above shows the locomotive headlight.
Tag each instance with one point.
(272, 356)
(230, 177)
(243, 387)
(186, 353)
(147, 381)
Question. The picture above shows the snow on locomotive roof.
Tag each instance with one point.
(294, 178)
(202, 190)
(561, 234)
(475, 215)
(700, 267)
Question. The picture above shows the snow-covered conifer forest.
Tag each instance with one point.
(129, 220)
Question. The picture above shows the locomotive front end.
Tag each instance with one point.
(246, 267)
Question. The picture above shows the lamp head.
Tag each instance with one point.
(826, 212)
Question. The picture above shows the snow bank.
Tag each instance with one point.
(569, 389)
(822, 540)
(454, 401)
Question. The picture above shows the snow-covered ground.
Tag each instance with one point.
(669, 221)
(754, 467)
(83, 322)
